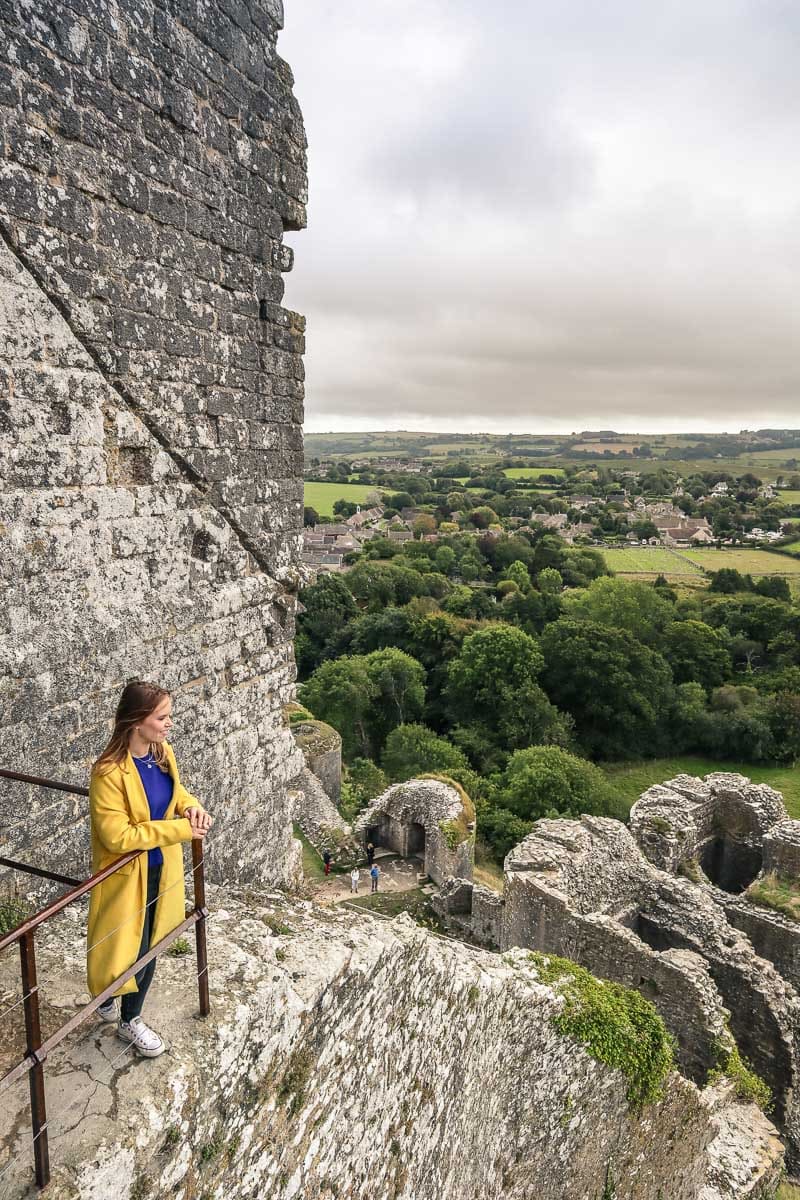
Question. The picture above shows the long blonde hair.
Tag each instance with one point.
(137, 701)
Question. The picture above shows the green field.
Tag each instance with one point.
(648, 560)
(322, 495)
(631, 779)
(532, 472)
(750, 562)
(789, 496)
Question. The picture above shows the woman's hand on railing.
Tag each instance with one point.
(200, 822)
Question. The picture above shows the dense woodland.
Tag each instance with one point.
(516, 663)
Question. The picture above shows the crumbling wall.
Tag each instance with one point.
(321, 822)
(426, 817)
(667, 936)
(322, 749)
(353, 1058)
(150, 406)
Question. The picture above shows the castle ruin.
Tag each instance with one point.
(151, 392)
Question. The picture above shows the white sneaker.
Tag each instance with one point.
(146, 1041)
(108, 1011)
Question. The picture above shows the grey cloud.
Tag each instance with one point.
(545, 215)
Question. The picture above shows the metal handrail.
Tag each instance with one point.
(37, 1050)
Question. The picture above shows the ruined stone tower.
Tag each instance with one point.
(150, 404)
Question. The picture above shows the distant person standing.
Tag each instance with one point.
(326, 858)
(370, 853)
(355, 875)
(374, 875)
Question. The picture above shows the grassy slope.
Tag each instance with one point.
(532, 472)
(631, 779)
(321, 496)
(756, 562)
(312, 863)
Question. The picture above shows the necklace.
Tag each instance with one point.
(146, 760)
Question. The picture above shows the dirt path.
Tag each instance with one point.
(396, 875)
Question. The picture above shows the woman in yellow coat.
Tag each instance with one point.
(137, 802)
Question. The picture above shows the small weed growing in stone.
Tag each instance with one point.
(610, 1189)
(280, 954)
(179, 947)
(210, 1150)
(277, 926)
(749, 1086)
(13, 911)
(293, 1086)
(171, 1137)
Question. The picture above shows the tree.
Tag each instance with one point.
(344, 508)
(493, 684)
(618, 691)
(398, 683)
(501, 829)
(783, 717)
(328, 605)
(729, 580)
(470, 567)
(378, 585)
(375, 630)
(367, 779)
(445, 558)
(549, 781)
(342, 693)
(483, 516)
(618, 604)
(310, 516)
(518, 574)
(697, 653)
(776, 587)
(550, 582)
(416, 750)
(424, 524)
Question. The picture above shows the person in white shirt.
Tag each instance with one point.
(355, 875)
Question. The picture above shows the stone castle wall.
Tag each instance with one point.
(151, 157)
(355, 1058)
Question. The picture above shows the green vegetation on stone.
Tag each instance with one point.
(749, 1086)
(778, 893)
(618, 1026)
(13, 911)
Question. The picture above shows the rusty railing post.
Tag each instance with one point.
(33, 1033)
(198, 859)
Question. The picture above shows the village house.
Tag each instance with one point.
(550, 520)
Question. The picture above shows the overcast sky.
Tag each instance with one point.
(549, 214)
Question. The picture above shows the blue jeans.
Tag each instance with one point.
(132, 1002)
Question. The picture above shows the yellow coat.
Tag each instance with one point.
(120, 821)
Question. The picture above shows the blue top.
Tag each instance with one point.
(158, 788)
